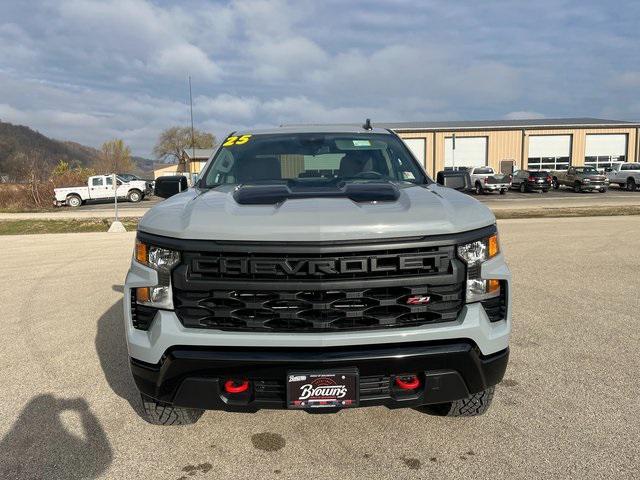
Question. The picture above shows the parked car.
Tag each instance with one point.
(625, 175)
(100, 187)
(531, 180)
(485, 180)
(581, 179)
(264, 287)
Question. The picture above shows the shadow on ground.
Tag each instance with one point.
(41, 445)
(111, 348)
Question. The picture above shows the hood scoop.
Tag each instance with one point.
(278, 193)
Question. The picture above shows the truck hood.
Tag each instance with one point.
(215, 215)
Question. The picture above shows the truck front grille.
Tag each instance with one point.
(357, 287)
(301, 310)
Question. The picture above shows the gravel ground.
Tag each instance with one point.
(567, 407)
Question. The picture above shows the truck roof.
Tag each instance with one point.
(330, 128)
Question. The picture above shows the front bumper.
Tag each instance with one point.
(594, 186)
(192, 377)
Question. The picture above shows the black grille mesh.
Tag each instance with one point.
(496, 308)
(310, 311)
(141, 315)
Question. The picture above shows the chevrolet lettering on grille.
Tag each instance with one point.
(317, 267)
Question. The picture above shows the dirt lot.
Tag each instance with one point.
(567, 408)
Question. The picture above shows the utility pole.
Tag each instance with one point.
(453, 155)
(193, 141)
(115, 194)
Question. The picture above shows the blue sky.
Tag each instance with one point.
(90, 70)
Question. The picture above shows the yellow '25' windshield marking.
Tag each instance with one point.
(236, 140)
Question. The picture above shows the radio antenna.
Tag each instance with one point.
(193, 141)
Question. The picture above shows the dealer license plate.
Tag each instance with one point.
(334, 389)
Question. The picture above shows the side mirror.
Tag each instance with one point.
(168, 186)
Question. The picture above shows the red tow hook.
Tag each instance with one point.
(236, 386)
(408, 382)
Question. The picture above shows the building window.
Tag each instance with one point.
(604, 161)
(548, 163)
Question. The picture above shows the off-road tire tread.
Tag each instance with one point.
(161, 414)
(472, 406)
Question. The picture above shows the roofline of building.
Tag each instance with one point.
(507, 125)
(503, 127)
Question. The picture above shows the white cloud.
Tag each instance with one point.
(183, 59)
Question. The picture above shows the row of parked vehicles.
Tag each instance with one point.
(100, 187)
(482, 180)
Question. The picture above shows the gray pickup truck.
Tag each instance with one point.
(625, 175)
(316, 268)
(581, 179)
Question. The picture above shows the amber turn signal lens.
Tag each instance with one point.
(493, 285)
(494, 247)
(141, 252)
(143, 294)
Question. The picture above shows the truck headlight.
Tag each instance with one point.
(163, 260)
(474, 254)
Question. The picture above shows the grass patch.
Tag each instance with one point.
(608, 211)
(69, 225)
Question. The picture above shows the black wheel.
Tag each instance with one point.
(503, 192)
(134, 196)
(577, 187)
(555, 183)
(74, 201)
(479, 190)
(603, 190)
(545, 190)
(631, 185)
(523, 187)
(158, 413)
(476, 404)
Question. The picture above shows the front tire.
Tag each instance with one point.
(577, 187)
(157, 413)
(555, 184)
(134, 196)
(74, 201)
(472, 406)
(503, 192)
(523, 188)
(631, 185)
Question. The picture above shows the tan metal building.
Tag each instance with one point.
(540, 144)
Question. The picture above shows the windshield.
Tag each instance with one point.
(586, 170)
(312, 158)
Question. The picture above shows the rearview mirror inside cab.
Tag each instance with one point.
(170, 185)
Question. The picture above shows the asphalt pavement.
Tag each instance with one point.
(568, 407)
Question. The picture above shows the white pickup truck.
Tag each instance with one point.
(100, 187)
(625, 175)
(485, 179)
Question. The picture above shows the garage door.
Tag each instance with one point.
(549, 152)
(469, 152)
(603, 150)
(417, 147)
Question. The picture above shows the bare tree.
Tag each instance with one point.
(174, 140)
(114, 157)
